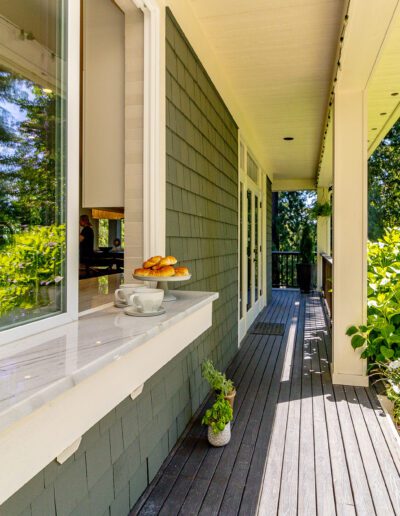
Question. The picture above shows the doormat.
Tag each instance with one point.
(263, 328)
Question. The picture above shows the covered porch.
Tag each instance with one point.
(300, 445)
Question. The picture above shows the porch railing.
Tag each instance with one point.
(327, 265)
(284, 271)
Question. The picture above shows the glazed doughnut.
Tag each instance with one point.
(167, 260)
(164, 272)
(142, 272)
(151, 262)
(182, 271)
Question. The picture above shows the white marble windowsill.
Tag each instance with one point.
(62, 381)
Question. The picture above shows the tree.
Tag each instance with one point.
(384, 185)
(291, 216)
(29, 152)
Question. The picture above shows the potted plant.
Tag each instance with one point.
(218, 381)
(304, 267)
(218, 419)
(321, 209)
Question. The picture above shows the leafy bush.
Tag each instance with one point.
(381, 334)
(33, 259)
(217, 380)
(219, 415)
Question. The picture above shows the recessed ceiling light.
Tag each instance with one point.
(384, 113)
(394, 94)
(288, 138)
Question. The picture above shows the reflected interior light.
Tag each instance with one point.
(47, 90)
(27, 377)
(98, 341)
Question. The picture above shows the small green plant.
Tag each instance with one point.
(390, 372)
(321, 210)
(306, 246)
(217, 380)
(395, 398)
(380, 337)
(219, 415)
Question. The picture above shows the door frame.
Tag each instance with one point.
(246, 317)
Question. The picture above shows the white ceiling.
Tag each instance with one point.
(279, 59)
(384, 81)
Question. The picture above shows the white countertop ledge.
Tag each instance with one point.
(56, 385)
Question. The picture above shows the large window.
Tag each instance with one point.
(32, 160)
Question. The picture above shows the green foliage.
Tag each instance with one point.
(389, 371)
(383, 185)
(217, 380)
(395, 398)
(293, 214)
(306, 246)
(321, 210)
(34, 258)
(219, 415)
(380, 337)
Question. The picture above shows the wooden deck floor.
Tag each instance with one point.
(299, 444)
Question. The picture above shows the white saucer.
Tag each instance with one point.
(120, 305)
(131, 310)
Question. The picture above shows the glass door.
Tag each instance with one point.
(253, 275)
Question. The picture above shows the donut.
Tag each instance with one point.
(141, 272)
(151, 262)
(182, 271)
(165, 272)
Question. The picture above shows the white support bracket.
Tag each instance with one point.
(137, 392)
(70, 450)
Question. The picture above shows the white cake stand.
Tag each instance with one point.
(163, 283)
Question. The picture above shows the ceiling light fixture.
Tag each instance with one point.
(288, 138)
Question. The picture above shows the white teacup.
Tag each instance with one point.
(148, 300)
(124, 293)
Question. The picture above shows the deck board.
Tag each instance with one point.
(299, 444)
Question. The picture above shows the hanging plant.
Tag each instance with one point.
(321, 210)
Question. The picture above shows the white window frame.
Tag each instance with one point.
(153, 160)
(72, 207)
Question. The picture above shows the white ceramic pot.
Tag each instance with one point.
(221, 438)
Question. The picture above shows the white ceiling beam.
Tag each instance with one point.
(292, 185)
(369, 24)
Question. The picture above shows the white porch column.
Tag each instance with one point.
(323, 233)
(350, 233)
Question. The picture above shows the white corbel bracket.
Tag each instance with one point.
(70, 450)
(137, 392)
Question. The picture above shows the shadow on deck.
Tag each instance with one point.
(299, 444)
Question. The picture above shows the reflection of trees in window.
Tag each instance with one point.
(29, 153)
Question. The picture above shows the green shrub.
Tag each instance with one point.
(381, 335)
(219, 415)
(33, 259)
